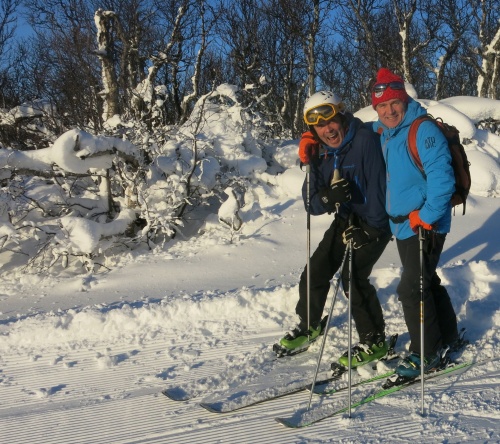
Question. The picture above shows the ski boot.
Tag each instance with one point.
(299, 339)
(409, 369)
(457, 346)
(362, 354)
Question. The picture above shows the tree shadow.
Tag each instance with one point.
(482, 236)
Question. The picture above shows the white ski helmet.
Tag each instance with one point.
(314, 111)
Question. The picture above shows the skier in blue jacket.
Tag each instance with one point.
(416, 200)
(339, 141)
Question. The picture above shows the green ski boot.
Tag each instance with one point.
(298, 340)
(362, 354)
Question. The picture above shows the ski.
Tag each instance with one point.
(259, 391)
(284, 384)
(329, 388)
(283, 376)
(305, 417)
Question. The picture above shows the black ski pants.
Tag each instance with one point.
(440, 321)
(324, 263)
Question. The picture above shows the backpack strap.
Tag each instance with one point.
(412, 141)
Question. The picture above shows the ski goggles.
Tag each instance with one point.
(322, 112)
(381, 87)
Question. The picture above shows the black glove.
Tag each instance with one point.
(358, 236)
(338, 192)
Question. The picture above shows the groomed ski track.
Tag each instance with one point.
(99, 395)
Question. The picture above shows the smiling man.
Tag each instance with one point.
(416, 203)
(336, 140)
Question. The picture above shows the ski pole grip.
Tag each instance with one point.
(336, 176)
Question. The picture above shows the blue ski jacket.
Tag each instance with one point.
(407, 188)
(360, 161)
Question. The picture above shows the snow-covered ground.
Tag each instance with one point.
(83, 358)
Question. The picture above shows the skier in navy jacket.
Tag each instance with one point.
(339, 141)
(415, 200)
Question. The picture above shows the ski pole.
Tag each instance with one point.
(322, 348)
(349, 311)
(308, 247)
(421, 236)
(336, 177)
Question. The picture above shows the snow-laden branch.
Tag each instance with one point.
(76, 151)
(82, 236)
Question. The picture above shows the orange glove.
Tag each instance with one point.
(308, 148)
(416, 222)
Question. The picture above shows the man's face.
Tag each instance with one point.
(391, 113)
(331, 132)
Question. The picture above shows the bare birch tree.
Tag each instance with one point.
(206, 23)
(8, 10)
(455, 19)
(105, 42)
(485, 57)
(62, 63)
(357, 23)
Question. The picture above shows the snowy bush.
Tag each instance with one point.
(87, 196)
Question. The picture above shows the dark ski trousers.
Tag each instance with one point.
(325, 262)
(440, 321)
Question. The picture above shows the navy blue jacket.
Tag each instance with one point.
(360, 161)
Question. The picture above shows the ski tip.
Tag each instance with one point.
(176, 394)
(281, 351)
(214, 408)
(285, 422)
(281, 421)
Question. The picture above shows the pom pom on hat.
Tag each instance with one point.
(384, 75)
